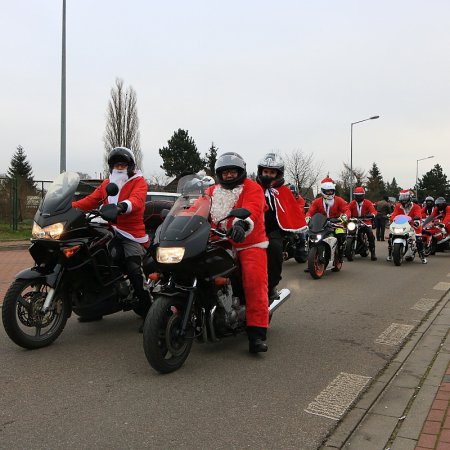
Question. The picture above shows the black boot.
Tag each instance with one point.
(256, 339)
(373, 256)
(273, 294)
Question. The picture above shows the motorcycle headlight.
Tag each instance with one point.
(351, 226)
(169, 255)
(52, 231)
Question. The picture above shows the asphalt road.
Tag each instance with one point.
(93, 388)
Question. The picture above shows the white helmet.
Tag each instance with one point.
(326, 185)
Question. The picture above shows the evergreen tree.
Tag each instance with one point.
(392, 188)
(434, 183)
(20, 168)
(375, 187)
(180, 155)
(210, 160)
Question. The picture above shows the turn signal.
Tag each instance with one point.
(155, 276)
(70, 251)
(221, 281)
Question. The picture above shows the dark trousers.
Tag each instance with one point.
(274, 258)
(380, 224)
(370, 237)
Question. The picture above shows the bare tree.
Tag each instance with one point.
(343, 185)
(301, 170)
(158, 181)
(122, 123)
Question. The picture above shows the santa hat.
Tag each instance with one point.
(327, 183)
(405, 191)
(359, 190)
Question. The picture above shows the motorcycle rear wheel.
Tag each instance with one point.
(397, 254)
(22, 319)
(315, 266)
(164, 349)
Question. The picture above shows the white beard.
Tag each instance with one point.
(329, 203)
(119, 177)
(223, 201)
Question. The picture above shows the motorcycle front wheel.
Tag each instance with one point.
(349, 248)
(397, 253)
(22, 316)
(316, 268)
(164, 348)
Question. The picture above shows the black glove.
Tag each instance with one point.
(237, 231)
(122, 207)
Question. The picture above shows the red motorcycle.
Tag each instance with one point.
(435, 236)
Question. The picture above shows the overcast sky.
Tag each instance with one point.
(250, 75)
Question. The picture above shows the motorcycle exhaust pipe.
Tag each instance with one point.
(284, 294)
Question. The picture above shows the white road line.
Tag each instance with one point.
(425, 304)
(394, 334)
(442, 286)
(338, 396)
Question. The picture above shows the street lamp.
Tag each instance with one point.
(417, 174)
(351, 152)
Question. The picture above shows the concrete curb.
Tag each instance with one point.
(14, 245)
(387, 415)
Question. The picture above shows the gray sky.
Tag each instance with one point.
(250, 75)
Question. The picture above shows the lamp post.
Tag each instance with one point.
(62, 159)
(351, 152)
(417, 174)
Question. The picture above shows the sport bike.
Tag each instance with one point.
(402, 239)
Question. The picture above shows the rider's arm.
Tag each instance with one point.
(93, 200)
(253, 200)
(136, 200)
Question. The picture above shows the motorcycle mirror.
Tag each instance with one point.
(112, 189)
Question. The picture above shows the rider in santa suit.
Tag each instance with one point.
(283, 215)
(360, 207)
(248, 237)
(130, 228)
(406, 207)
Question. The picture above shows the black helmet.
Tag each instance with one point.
(441, 204)
(230, 160)
(121, 154)
(429, 201)
(271, 161)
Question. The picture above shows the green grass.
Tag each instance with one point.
(23, 232)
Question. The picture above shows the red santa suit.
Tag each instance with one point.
(445, 216)
(329, 208)
(412, 211)
(364, 208)
(289, 215)
(133, 192)
(252, 250)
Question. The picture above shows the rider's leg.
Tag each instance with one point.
(371, 239)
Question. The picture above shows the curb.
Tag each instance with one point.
(387, 415)
(14, 245)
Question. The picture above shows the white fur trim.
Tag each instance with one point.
(250, 222)
(263, 244)
(141, 240)
(130, 206)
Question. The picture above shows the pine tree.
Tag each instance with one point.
(181, 155)
(210, 160)
(392, 188)
(20, 168)
(375, 187)
(434, 183)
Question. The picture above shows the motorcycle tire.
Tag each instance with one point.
(349, 249)
(21, 313)
(315, 266)
(397, 254)
(433, 247)
(337, 262)
(164, 349)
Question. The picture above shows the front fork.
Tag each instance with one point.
(188, 310)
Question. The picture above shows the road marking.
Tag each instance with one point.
(442, 286)
(338, 396)
(394, 334)
(425, 304)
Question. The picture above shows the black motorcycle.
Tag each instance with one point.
(324, 253)
(357, 242)
(199, 293)
(77, 268)
(295, 245)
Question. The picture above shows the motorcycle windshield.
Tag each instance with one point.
(317, 223)
(58, 198)
(402, 219)
(189, 212)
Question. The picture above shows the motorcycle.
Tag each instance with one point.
(77, 269)
(435, 236)
(199, 293)
(357, 242)
(402, 239)
(323, 245)
(295, 245)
